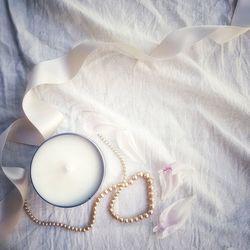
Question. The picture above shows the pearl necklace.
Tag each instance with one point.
(115, 191)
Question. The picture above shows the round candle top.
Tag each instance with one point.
(67, 170)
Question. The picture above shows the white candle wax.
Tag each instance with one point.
(67, 170)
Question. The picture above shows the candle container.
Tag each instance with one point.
(67, 170)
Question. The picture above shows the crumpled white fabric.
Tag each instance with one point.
(176, 142)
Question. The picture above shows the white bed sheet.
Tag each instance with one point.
(193, 108)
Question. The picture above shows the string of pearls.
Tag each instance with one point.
(115, 190)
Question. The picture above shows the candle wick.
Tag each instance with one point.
(67, 168)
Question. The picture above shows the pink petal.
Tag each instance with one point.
(126, 143)
(169, 183)
(163, 234)
(171, 178)
(166, 183)
(174, 217)
(167, 168)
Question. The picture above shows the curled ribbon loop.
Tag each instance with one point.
(41, 119)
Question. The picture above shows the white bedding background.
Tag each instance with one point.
(193, 108)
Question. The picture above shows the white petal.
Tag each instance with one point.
(177, 181)
(126, 143)
(166, 232)
(166, 183)
(174, 216)
(170, 181)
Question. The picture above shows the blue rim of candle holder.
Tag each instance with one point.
(102, 175)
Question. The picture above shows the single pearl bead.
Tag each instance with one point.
(140, 174)
(151, 206)
(130, 182)
(135, 177)
(150, 193)
(141, 216)
(150, 181)
(150, 212)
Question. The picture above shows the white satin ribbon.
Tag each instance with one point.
(41, 119)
